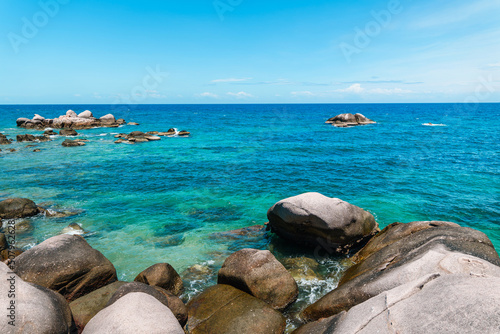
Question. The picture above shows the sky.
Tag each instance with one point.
(249, 51)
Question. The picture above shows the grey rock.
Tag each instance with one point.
(107, 119)
(135, 313)
(71, 113)
(317, 220)
(86, 114)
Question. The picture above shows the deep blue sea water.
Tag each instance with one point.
(161, 201)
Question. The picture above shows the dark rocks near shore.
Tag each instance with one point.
(225, 309)
(70, 120)
(73, 143)
(68, 132)
(31, 138)
(162, 275)
(349, 120)
(17, 208)
(258, 273)
(66, 264)
(135, 137)
(4, 140)
(319, 221)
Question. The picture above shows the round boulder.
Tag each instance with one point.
(135, 313)
(71, 113)
(162, 275)
(258, 273)
(66, 264)
(316, 220)
(86, 114)
(17, 208)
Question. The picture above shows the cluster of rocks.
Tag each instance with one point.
(349, 120)
(71, 120)
(141, 137)
(74, 143)
(4, 140)
(425, 276)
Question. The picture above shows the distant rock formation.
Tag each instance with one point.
(348, 120)
(71, 120)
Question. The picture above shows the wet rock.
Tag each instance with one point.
(134, 313)
(136, 134)
(152, 132)
(72, 229)
(224, 309)
(132, 123)
(404, 252)
(120, 141)
(12, 150)
(4, 140)
(316, 220)
(23, 138)
(22, 120)
(10, 254)
(68, 132)
(17, 208)
(3, 242)
(258, 273)
(37, 309)
(348, 119)
(23, 226)
(72, 143)
(430, 304)
(120, 121)
(37, 150)
(86, 307)
(66, 264)
(50, 133)
(302, 268)
(162, 275)
(152, 138)
(183, 133)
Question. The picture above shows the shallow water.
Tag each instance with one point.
(162, 201)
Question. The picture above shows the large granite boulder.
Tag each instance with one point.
(17, 208)
(316, 220)
(70, 120)
(86, 307)
(134, 313)
(404, 252)
(430, 304)
(29, 308)
(163, 296)
(258, 273)
(162, 275)
(223, 309)
(66, 264)
(71, 113)
(86, 114)
(108, 119)
(348, 120)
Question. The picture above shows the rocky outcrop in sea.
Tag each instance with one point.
(71, 120)
(349, 120)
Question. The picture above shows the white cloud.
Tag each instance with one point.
(354, 88)
(208, 94)
(231, 80)
(240, 95)
(494, 65)
(303, 93)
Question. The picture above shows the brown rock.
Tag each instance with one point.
(162, 275)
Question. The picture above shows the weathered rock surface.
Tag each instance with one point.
(86, 307)
(162, 275)
(135, 313)
(258, 273)
(36, 309)
(430, 304)
(348, 120)
(70, 120)
(135, 137)
(66, 264)
(4, 140)
(223, 309)
(404, 252)
(68, 132)
(17, 208)
(316, 220)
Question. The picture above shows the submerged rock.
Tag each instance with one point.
(66, 264)
(73, 143)
(224, 309)
(73, 228)
(134, 313)
(258, 273)
(183, 133)
(162, 275)
(17, 208)
(402, 253)
(316, 220)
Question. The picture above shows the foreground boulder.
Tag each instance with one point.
(402, 253)
(348, 120)
(258, 273)
(86, 307)
(163, 296)
(431, 304)
(224, 309)
(17, 208)
(35, 309)
(162, 275)
(316, 220)
(134, 313)
(66, 264)
(70, 120)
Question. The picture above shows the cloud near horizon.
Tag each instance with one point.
(240, 95)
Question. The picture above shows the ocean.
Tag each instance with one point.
(164, 201)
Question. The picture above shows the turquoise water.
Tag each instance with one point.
(161, 201)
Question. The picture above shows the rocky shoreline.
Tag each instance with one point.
(404, 278)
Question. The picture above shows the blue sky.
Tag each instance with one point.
(249, 51)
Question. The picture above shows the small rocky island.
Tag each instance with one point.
(71, 120)
(349, 120)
